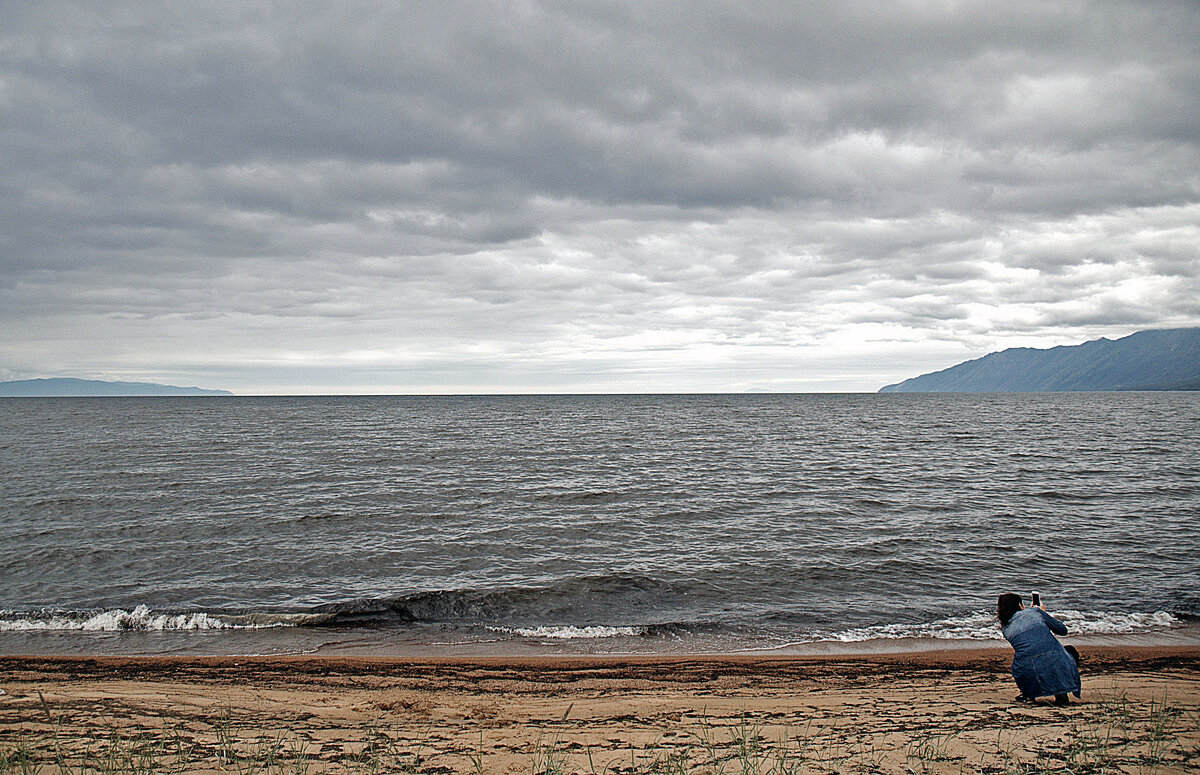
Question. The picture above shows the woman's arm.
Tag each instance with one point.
(1056, 627)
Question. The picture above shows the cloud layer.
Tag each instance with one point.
(589, 196)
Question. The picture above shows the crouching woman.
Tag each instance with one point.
(1041, 666)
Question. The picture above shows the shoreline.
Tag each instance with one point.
(947, 657)
(359, 642)
(941, 711)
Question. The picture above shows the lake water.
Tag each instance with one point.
(599, 524)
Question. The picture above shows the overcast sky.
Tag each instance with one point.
(588, 196)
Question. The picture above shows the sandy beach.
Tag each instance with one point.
(921, 712)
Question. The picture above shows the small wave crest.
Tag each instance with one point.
(138, 619)
(571, 632)
(580, 497)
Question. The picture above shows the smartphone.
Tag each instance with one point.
(1037, 599)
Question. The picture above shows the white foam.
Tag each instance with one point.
(973, 626)
(140, 619)
(982, 625)
(569, 632)
(1086, 623)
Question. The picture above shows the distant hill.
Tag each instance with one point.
(63, 386)
(1148, 360)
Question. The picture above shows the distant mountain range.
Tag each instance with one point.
(1148, 360)
(64, 386)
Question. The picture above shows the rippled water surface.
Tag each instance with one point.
(752, 520)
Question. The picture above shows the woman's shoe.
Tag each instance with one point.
(1061, 699)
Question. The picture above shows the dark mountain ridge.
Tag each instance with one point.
(1166, 359)
(69, 386)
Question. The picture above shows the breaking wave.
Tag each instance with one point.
(143, 619)
(140, 618)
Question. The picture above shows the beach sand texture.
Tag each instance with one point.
(943, 712)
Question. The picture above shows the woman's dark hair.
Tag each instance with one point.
(1008, 605)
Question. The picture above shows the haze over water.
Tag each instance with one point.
(596, 523)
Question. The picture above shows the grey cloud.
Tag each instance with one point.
(438, 181)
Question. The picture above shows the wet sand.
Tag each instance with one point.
(949, 711)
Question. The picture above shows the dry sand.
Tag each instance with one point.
(926, 712)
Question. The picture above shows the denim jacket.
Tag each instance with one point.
(1040, 665)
